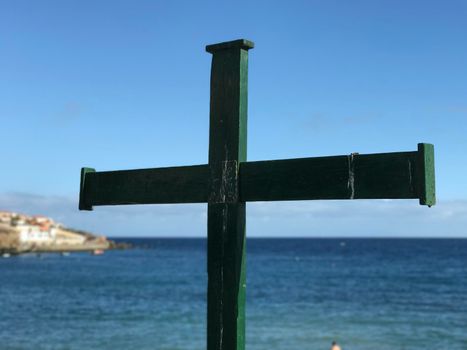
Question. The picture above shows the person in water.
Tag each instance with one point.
(335, 346)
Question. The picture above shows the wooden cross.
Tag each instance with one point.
(228, 181)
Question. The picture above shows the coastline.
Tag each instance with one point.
(20, 234)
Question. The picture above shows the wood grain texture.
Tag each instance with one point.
(224, 182)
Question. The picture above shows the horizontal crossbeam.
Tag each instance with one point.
(186, 184)
(400, 175)
(371, 176)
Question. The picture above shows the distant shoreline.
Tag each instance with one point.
(21, 234)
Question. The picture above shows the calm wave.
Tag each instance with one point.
(301, 294)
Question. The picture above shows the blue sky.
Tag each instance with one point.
(125, 84)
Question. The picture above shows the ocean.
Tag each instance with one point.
(301, 295)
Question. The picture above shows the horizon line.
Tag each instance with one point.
(294, 237)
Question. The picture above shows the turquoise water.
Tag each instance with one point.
(301, 294)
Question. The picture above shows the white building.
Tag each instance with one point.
(34, 235)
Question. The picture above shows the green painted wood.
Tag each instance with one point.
(187, 184)
(228, 45)
(85, 198)
(226, 214)
(224, 182)
(398, 175)
(369, 176)
(426, 174)
(226, 276)
(340, 177)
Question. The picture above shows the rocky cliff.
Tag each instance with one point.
(21, 233)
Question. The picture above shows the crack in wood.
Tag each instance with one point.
(351, 175)
(224, 182)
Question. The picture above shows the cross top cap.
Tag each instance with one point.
(240, 44)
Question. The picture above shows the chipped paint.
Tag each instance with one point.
(351, 175)
(224, 181)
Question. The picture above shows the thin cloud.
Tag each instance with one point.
(362, 218)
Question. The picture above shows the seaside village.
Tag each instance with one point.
(20, 233)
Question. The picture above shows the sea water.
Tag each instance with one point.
(301, 294)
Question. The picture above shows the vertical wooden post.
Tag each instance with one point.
(226, 214)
